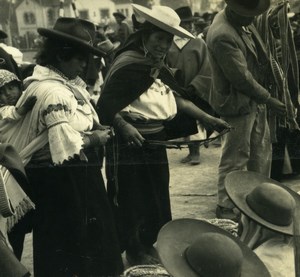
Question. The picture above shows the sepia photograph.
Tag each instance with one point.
(147, 138)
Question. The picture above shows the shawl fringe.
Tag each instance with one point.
(23, 208)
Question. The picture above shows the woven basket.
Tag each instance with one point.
(146, 271)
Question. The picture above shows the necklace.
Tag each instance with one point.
(57, 71)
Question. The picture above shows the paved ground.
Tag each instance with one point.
(193, 189)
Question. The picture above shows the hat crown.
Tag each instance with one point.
(78, 28)
(208, 256)
(248, 7)
(167, 15)
(162, 17)
(73, 32)
(272, 203)
(185, 13)
(249, 4)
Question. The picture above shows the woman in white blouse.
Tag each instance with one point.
(139, 98)
(74, 232)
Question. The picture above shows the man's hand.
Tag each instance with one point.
(277, 106)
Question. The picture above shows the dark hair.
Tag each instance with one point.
(51, 50)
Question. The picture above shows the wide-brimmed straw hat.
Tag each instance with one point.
(193, 248)
(164, 18)
(248, 7)
(73, 31)
(264, 200)
(3, 34)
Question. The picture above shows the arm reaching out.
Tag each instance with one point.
(207, 120)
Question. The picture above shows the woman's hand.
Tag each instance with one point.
(128, 132)
(216, 124)
(97, 138)
(131, 135)
(102, 135)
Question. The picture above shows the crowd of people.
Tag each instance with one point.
(173, 75)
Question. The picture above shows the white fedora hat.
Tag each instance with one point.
(163, 17)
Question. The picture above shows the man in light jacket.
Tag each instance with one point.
(240, 76)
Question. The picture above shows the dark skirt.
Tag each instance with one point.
(74, 230)
(140, 183)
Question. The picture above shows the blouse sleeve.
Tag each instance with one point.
(64, 141)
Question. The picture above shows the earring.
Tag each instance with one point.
(146, 51)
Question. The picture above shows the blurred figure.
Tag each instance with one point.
(200, 24)
(123, 29)
(6, 59)
(190, 58)
(15, 52)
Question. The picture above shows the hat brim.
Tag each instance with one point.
(53, 34)
(177, 235)
(262, 6)
(147, 14)
(239, 184)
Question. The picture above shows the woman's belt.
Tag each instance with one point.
(145, 126)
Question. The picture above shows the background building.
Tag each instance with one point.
(20, 18)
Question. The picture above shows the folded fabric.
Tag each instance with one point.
(14, 202)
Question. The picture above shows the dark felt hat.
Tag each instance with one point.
(248, 7)
(185, 14)
(193, 248)
(119, 14)
(264, 200)
(75, 32)
(3, 34)
(201, 22)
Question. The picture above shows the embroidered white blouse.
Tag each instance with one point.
(62, 109)
(157, 103)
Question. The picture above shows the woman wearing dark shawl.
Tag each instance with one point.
(139, 97)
